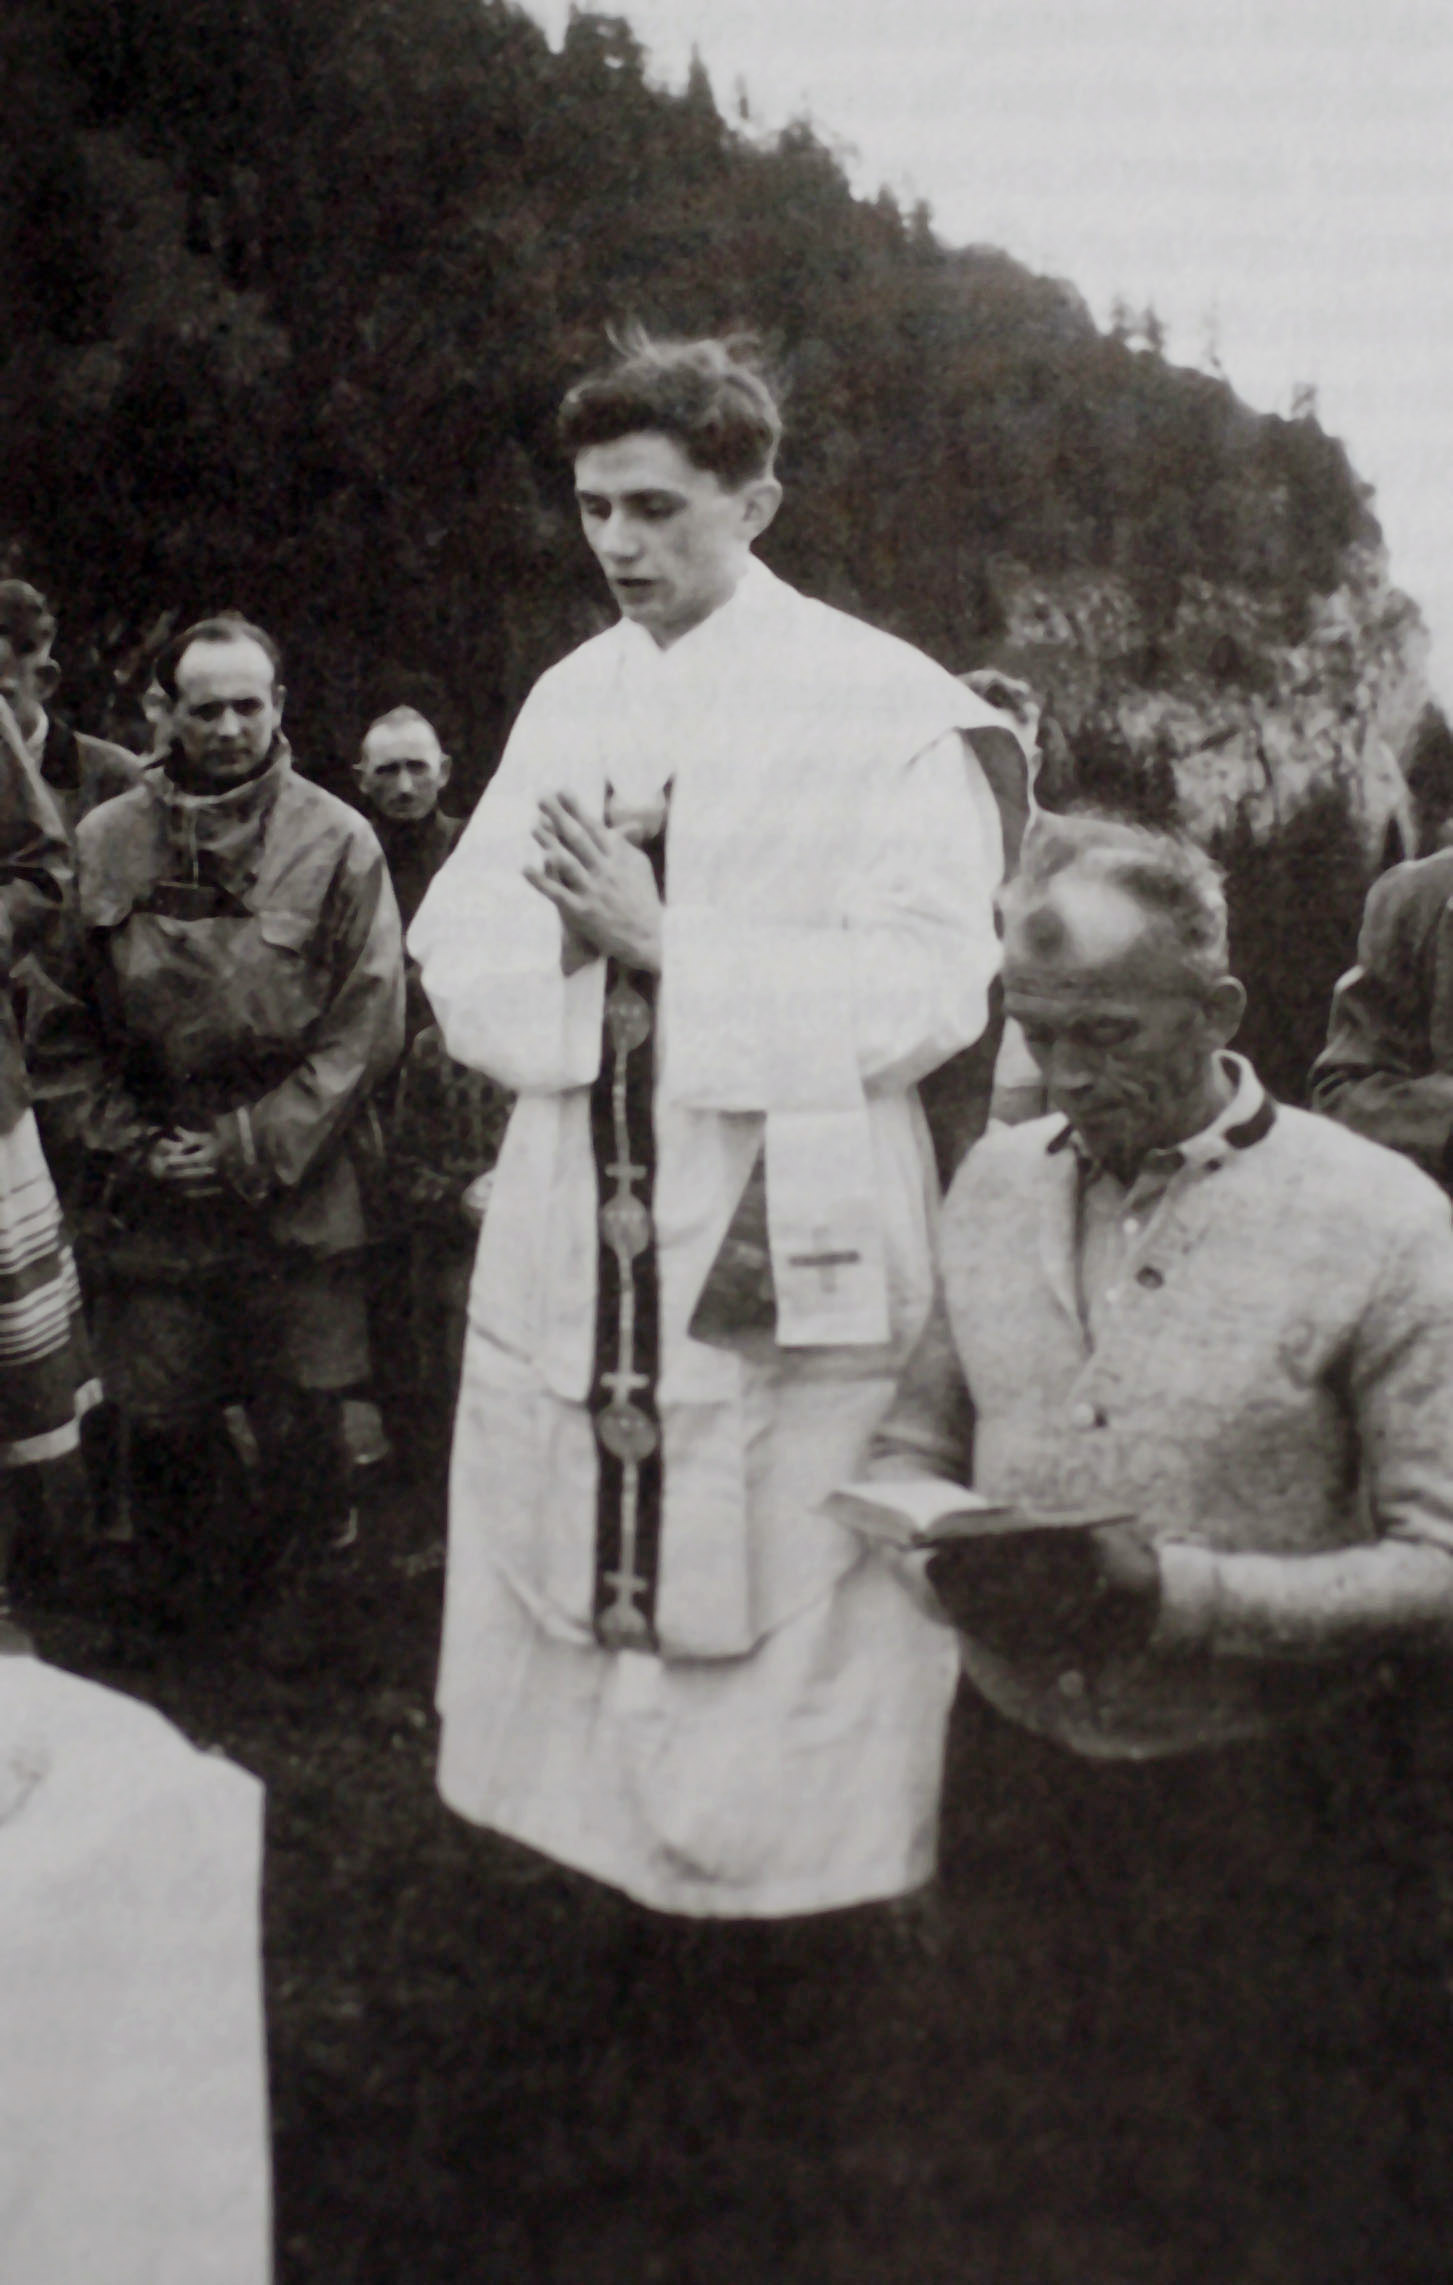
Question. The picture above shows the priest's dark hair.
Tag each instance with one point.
(222, 627)
(712, 397)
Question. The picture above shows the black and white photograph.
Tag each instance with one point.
(726, 1142)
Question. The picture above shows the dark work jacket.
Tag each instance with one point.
(35, 891)
(82, 772)
(415, 850)
(1387, 1067)
(239, 971)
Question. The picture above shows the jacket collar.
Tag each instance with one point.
(229, 825)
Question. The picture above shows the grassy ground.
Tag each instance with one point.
(485, 2071)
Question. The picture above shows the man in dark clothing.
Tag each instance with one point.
(237, 994)
(447, 1128)
(415, 1264)
(80, 771)
(401, 771)
(1387, 1068)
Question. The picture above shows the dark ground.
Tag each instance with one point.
(485, 2071)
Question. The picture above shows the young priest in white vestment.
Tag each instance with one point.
(727, 899)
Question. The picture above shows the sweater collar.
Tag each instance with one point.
(1243, 1121)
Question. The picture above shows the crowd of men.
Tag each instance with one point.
(730, 896)
(221, 1043)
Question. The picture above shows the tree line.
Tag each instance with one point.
(296, 285)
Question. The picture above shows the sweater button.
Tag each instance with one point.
(1086, 1416)
(1150, 1277)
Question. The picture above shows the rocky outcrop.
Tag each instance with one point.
(1245, 719)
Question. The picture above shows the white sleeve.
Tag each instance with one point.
(790, 1016)
(488, 945)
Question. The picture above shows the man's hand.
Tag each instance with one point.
(1089, 1595)
(187, 1161)
(599, 882)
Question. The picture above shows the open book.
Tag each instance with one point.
(925, 1511)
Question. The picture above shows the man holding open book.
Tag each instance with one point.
(1227, 1326)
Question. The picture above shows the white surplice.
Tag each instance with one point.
(832, 851)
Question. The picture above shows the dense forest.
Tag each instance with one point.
(294, 287)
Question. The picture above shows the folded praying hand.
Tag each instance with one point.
(600, 883)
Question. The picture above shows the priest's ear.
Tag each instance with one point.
(760, 499)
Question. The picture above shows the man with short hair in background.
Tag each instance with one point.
(237, 994)
(401, 771)
(445, 1123)
(78, 770)
(1192, 1833)
(1387, 1068)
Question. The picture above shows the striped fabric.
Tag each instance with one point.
(46, 1383)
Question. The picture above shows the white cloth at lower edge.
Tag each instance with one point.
(800, 1778)
(133, 2106)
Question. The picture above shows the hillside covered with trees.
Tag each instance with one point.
(295, 286)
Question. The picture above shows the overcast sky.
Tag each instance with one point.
(1276, 176)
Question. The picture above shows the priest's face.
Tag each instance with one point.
(672, 539)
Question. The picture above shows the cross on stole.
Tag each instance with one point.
(622, 1621)
(827, 1260)
(623, 1385)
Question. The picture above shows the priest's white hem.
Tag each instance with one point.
(800, 1778)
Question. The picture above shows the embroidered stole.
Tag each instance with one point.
(627, 1325)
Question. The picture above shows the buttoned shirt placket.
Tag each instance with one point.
(1140, 1229)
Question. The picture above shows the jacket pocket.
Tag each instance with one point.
(286, 931)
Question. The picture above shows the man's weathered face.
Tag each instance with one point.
(227, 710)
(1124, 1039)
(671, 538)
(27, 681)
(403, 770)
